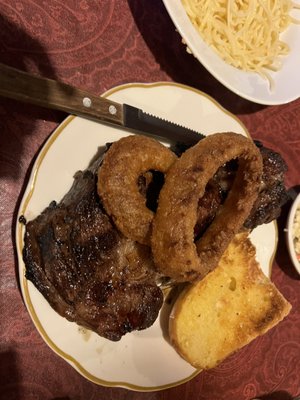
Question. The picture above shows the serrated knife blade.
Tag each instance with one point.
(136, 119)
(49, 93)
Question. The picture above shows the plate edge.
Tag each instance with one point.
(20, 231)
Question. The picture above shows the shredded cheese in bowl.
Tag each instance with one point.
(293, 232)
(296, 233)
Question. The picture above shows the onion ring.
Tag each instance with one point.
(175, 253)
(124, 162)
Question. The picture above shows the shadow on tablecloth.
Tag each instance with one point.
(18, 120)
(22, 130)
(280, 395)
(166, 45)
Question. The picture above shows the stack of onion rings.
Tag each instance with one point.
(175, 253)
(125, 161)
(170, 232)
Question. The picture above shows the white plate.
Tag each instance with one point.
(248, 85)
(143, 360)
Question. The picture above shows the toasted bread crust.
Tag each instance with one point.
(226, 310)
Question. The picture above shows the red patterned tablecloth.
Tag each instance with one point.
(96, 45)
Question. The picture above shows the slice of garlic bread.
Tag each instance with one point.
(229, 308)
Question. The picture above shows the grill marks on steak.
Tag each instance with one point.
(87, 270)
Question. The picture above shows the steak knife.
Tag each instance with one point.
(48, 93)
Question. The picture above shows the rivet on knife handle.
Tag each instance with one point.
(20, 85)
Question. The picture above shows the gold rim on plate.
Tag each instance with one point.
(20, 234)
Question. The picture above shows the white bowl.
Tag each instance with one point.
(248, 85)
(289, 233)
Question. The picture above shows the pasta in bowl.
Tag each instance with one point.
(249, 46)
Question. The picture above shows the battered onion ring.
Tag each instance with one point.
(175, 253)
(124, 162)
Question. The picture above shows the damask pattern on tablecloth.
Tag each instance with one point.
(96, 45)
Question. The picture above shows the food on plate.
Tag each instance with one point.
(123, 164)
(230, 307)
(296, 233)
(246, 34)
(272, 193)
(86, 269)
(174, 251)
(94, 275)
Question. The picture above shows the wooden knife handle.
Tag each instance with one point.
(25, 87)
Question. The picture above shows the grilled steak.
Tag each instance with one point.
(86, 269)
(272, 195)
(91, 274)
